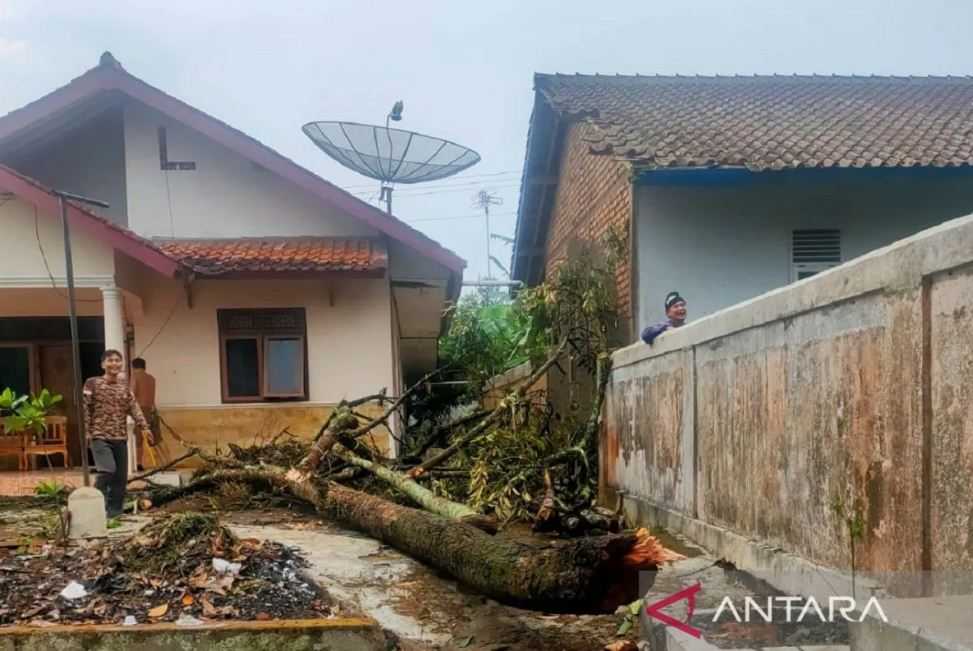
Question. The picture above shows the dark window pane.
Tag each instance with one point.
(284, 366)
(15, 369)
(242, 368)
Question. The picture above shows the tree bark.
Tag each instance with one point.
(581, 575)
(342, 421)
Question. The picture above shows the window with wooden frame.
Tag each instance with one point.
(263, 354)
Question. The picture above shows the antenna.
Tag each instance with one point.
(484, 199)
(390, 155)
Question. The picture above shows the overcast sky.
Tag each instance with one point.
(463, 69)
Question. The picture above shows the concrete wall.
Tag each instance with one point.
(89, 160)
(721, 244)
(225, 196)
(851, 387)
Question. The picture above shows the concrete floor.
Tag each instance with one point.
(926, 624)
(423, 609)
(357, 570)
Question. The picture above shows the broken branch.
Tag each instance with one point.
(423, 496)
(474, 433)
(192, 453)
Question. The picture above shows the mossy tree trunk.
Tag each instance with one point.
(580, 575)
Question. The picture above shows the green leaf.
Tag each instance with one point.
(624, 627)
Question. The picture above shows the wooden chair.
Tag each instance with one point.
(53, 440)
(14, 444)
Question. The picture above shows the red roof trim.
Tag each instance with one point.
(117, 237)
(113, 77)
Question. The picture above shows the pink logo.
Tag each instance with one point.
(688, 594)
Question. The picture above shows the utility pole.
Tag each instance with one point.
(63, 198)
(483, 200)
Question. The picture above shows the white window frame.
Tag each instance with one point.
(797, 268)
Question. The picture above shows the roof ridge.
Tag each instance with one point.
(791, 75)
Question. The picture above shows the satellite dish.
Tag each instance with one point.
(390, 155)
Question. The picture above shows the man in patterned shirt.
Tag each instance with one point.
(107, 403)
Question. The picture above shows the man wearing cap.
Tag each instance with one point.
(675, 317)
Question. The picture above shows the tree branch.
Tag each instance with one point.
(375, 422)
(192, 453)
(422, 495)
(492, 418)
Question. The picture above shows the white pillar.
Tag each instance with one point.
(114, 314)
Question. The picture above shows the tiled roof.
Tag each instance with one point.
(772, 122)
(297, 254)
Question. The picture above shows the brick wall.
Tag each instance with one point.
(594, 193)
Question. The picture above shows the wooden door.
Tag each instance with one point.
(57, 376)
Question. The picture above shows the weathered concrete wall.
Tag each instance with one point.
(852, 388)
(951, 344)
(653, 458)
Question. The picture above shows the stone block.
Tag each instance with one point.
(170, 478)
(86, 508)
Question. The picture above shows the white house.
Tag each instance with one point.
(259, 294)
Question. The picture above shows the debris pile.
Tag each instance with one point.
(181, 568)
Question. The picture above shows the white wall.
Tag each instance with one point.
(349, 344)
(225, 196)
(21, 255)
(89, 161)
(719, 245)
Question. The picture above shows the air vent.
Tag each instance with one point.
(813, 251)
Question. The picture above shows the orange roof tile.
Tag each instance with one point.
(272, 254)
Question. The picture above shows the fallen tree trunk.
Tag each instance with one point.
(582, 575)
(575, 576)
